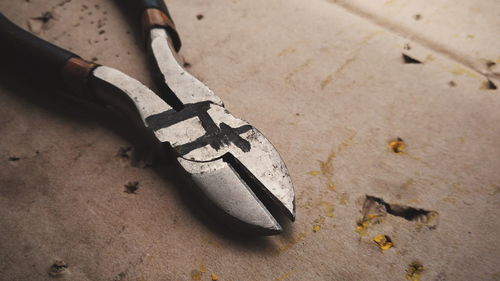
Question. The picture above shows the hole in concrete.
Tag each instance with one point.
(489, 85)
(406, 212)
(410, 60)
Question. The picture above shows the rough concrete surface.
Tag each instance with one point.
(327, 82)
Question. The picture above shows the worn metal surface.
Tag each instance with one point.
(330, 88)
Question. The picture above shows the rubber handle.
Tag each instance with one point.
(29, 53)
(154, 14)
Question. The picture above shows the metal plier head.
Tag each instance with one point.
(228, 159)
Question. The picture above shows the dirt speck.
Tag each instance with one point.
(123, 152)
(132, 187)
(452, 83)
(199, 16)
(58, 268)
(187, 64)
(407, 46)
(37, 24)
(417, 17)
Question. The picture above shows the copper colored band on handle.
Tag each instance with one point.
(153, 17)
(75, 73)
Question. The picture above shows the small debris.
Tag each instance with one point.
(417, 17)
(94, 59)
(297, 114)
(452, 83)
(123, 151)
(414, 271)
(410, 60)
(14, 158)
(384, 242)
(199, 16)
(397, 145)
(489, 85)
(214, 277)
(187, 64)
(132, 187)
(407, 46)
(59, 268)
(102, 31)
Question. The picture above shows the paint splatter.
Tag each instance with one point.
(384, 242)
(414, 271)
(301, 236)
(327, 208)
(196, 274)
(397, 145)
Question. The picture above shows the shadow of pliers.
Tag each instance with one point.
(229, 160)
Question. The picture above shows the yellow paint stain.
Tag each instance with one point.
(459, 70)
(389, 3)
(326, 81)
(214, 277)
(314, 173)
(414, 271)
(429, 58)
(286, 51)
(383, 242)
(284, 276)
(470, 36)
(326, 167)
(327, 208)
(343, 198)
(298, 69)
(363, 225)
(408, 183)
(196, 274)
(301, 236)
(397, 145)
(316, 228)
(371, 36)
(412, 201)
(141, 278)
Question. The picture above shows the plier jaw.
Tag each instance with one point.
(231, 162)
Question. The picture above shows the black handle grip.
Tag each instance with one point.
(153, 14)
(29, 53)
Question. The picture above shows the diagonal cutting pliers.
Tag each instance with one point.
(228, 159)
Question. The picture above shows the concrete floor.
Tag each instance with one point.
(327, 83)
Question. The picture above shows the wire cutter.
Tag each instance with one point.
(229, 160)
